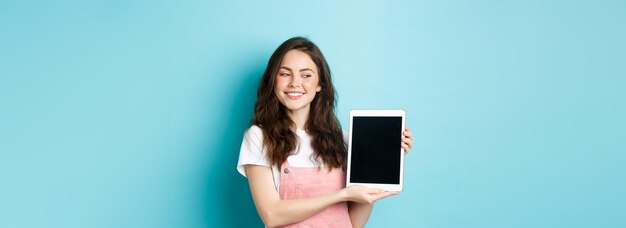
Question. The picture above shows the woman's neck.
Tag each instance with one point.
(299, 117)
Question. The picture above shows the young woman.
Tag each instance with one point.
(294, 152)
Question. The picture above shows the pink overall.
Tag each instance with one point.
(299, 182)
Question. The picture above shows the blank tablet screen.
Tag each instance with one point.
(376, 150)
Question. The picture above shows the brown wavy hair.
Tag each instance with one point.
(322, 125)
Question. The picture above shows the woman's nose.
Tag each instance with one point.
(295, 81)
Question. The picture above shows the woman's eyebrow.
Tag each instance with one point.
(289, 69)
(305, 69)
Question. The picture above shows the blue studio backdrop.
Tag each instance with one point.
(131, 113)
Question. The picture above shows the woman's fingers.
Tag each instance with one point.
(362, 194)
(407, 132)
(407, 141)
(382, 195)
(406, 148)
(372, 191)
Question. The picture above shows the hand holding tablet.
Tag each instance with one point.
(375, 154)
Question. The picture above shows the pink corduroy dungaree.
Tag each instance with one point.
(300, 182)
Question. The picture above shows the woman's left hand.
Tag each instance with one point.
(407, 141)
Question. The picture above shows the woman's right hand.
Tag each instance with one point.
(365, 195)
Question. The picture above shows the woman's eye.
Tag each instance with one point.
(283, 74)
(307, 76)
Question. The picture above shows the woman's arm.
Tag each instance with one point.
(276, 212)
(359, 213)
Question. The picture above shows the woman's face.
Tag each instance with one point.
(297, 81)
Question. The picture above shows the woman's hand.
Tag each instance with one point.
(407, 141)
(365, 195)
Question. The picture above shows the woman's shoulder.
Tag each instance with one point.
(254, 128)
(254, 131)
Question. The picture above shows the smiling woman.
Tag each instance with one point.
(297, 83)
(294, 152)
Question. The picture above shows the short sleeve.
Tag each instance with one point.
(251, 152)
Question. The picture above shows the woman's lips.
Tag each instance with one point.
(294, 95)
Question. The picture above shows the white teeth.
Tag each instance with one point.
(295, 94)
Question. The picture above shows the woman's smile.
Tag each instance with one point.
(294, 95)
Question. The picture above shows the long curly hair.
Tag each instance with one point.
(322, 125)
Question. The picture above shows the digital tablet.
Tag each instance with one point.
(375, 154)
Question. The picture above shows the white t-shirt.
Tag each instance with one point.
(252, 152)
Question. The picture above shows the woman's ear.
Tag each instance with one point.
(319, 88)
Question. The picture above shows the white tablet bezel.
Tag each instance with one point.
(377, 113)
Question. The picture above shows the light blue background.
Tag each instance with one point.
(131, 113)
